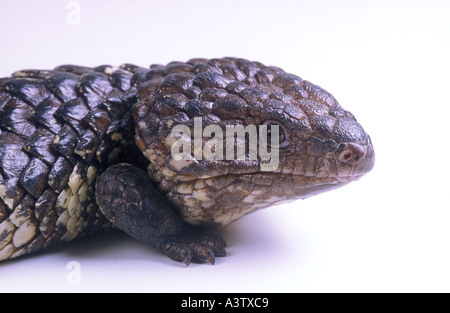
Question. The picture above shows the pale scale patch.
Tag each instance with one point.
(91, 174)
(63, 219)
(116, 136)
(25, 233)
(201, 195)
(8, 201)
(73, 204)
(6, 232)
(64, 198)
(20, 215)
(185, 188)
(83, 192)
(75, 180)
(71, 224)
(7, 251)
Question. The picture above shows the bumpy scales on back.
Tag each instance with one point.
(89, 149)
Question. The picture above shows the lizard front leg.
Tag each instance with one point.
(130, 200)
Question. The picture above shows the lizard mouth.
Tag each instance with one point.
(349, 163)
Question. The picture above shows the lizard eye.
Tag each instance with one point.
(282, 133)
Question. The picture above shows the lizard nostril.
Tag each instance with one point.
(350, 153)
(347, 156)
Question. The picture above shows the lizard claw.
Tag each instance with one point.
(211, 258)
(194, 246)
(187, 259)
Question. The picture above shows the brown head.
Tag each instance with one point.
(317, 145)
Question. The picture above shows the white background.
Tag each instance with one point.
(385, 61)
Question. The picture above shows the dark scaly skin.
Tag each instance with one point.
(57, 130)
(60, 128)
(129, 198)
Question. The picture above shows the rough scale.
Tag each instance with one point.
(89, 149)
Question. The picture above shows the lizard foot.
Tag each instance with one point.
(194, 246)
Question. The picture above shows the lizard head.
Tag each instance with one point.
(226, 137)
